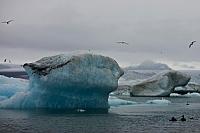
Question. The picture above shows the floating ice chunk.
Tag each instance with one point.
(158, 101)
(161, 84)
(9, 86)
(174, 95)
(67, 81)
(80, 110)
(114, 101)
(186, 95)
(192, 94)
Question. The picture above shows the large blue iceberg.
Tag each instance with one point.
(68, 81)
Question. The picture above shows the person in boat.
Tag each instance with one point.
(173, 119)
(183, 118)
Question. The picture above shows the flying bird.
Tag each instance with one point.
(192, 43)
(122, 42)
(7, 22)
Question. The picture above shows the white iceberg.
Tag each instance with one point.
(185, 95)
(159, 101)
(161, 84)
(192, 94)
(114, 101)
(175, 95)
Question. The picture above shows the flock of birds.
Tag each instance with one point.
(120, 42)
(126, 43)
(7, 22)
(190, 45)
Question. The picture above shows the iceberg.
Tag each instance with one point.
(194, 94)
(194, 86)
(122, 90)
(10, 86)
(68, 81)
(184, 90)
(161, 84)
(158, 101)
(114, 101)
(175, 95)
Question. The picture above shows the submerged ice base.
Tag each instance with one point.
(68, 81)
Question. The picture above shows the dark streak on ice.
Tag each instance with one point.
(44, 70)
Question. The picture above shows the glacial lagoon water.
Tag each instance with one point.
(140, 117)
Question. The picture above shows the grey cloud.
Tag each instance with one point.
(155, 29)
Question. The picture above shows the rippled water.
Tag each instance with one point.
(151, 118)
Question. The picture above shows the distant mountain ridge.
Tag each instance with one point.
(7, 66)
(149, 65)
(144, 70)
(13, 70)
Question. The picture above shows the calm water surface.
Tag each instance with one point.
(150, 118)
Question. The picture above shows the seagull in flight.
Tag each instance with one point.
(192, 43)
(7, 22)
(122, 42)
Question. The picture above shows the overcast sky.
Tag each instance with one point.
(159, 30)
